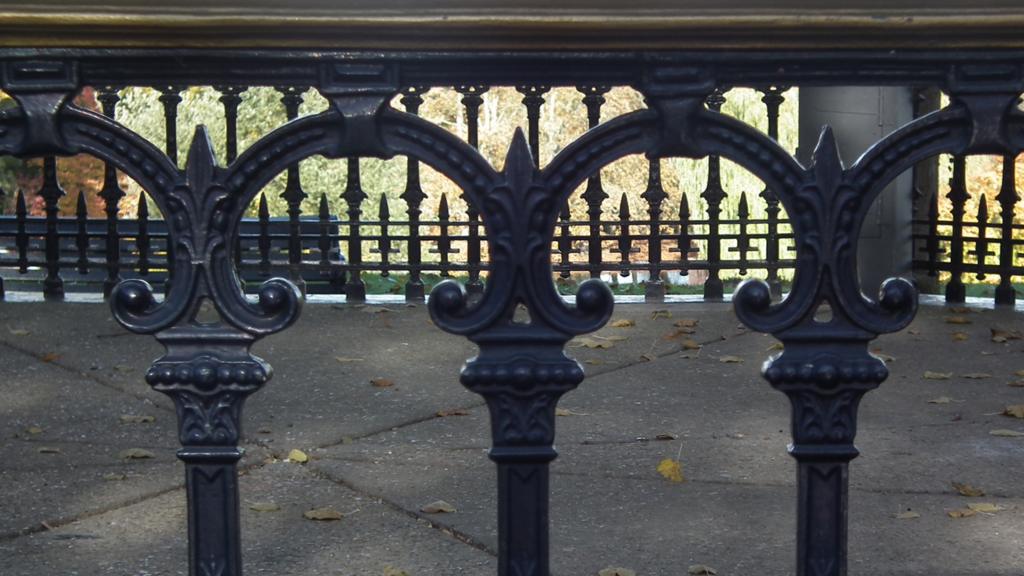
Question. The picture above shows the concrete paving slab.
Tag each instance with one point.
(606, 518)
(62, 438)
(610, 507)
(149, 538)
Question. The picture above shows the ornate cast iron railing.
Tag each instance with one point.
(665, 235)
(521, 369)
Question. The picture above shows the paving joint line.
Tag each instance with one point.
(450, 531)
(48, 525)
(81, 374)
(60, 522)
(482, 403)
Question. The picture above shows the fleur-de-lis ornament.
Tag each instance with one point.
(522, 369)
(207, 369)
(825, 367)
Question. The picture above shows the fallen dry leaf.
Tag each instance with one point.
(1020, 373)
(326, 514)
(137, 419)
(660, 314)
(730, 359)
(346, 360)
(977, 375)
(1014, 410)
(593, 343)
(622, 323)
(986, 507)
(1004, 433)
(677, 333)
(1000, 335)
(929, 375)
(776, 347)
(1016, 384)
(671, 470)
(115, 477)
(940, 400)
(686, 323)
(264, 507)
(960, 336)
(961, 513)
(957, 320)
(908, 515)
(887, 358)
(50, 357)
(297, 456)
(701, 570)
(135, 454)
(691, 344)
(34, 430)
(438, 507)
(968, 490)
(613, 571)
(453, 412)
(382, 382)
(18, 332)
(392, 571)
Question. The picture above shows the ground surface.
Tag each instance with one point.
(72, 505)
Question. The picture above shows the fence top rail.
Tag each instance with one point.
(518, 24)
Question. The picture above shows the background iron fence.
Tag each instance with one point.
(660, 241)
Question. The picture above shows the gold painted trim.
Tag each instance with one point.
(834, 30)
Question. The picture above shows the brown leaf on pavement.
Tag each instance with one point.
(1002, 335)
(957, 320)
(438, 507)
(614, 571)
(968, 490)
(622, 323)
(326, 514)
(135, 454)
(1014, 410)
(977, 375)
(671, 470)
(961, 513)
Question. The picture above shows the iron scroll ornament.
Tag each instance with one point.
(522, 368)
(825, 367)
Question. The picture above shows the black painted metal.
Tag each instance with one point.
(521, 369)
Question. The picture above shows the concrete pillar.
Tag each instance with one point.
(861, 116)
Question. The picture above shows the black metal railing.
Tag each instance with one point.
(664, 235)
(982, 243)
(521, 368)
